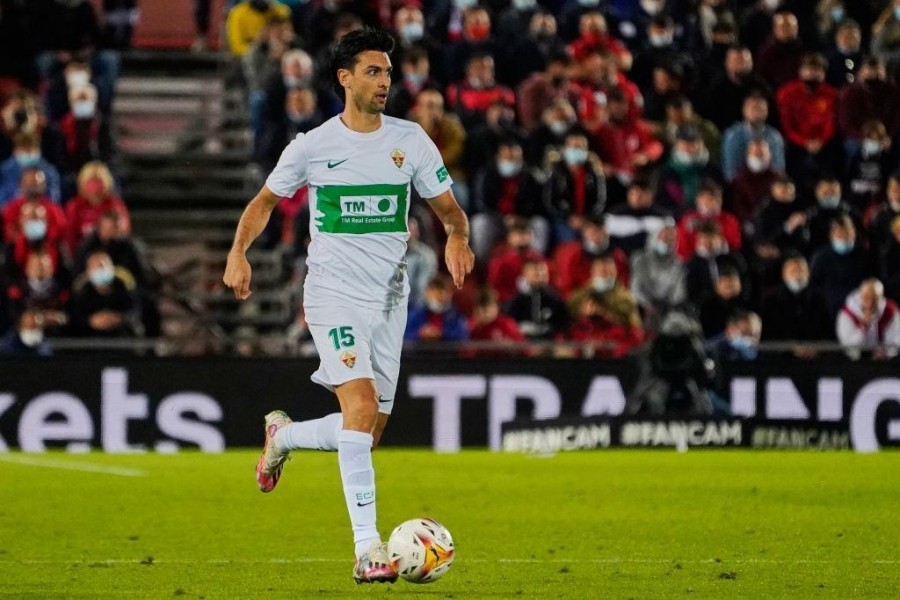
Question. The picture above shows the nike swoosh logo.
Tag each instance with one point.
(380, 399)
(332, 165)
(365, 504)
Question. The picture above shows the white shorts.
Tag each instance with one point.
(358, 343)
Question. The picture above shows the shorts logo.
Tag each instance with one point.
(398, 156)
(442, 174)
(348, 357)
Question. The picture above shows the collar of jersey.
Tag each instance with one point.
(356, 135)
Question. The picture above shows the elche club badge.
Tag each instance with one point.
(348, 357)
(398, 156)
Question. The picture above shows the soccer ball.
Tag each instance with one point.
(421, 550)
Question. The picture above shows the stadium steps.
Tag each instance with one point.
(184, 144)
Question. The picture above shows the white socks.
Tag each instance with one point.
(358, 475)
(315, 434)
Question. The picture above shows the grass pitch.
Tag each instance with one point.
(635, 524)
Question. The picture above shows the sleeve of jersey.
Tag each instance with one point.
(292, 171)
(431, 178)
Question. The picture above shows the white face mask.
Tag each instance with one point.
(603, 284)
(575, 156)
(871, 147)
(796, 285)
(31, 337)
(756, 164)
(651, 7)
(508, 168)
(524, 4)
(437, 307)
(84, 109)
(412, 31)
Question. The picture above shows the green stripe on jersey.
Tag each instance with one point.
(356, 209)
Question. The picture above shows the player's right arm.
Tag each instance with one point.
(253, 221)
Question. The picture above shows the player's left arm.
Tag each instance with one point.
(458, 256)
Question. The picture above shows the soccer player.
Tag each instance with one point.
(358, 166)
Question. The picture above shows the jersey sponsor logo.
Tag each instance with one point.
(442, 174)
(398, 156)
(359, 209)
(333, 164)
(348, 357)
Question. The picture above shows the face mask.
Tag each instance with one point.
(796, 285)
(558, 127)
(34, 230)
(595, 248)
(31, 337)
(871, 147)
(524, 4)
(589, 3)
(84, 109)
(292, 82)
(756, 164)
(299, 117)
(412, 32)
(508, 168)
(602, 284)
(479, 31)
(77, 79)
(102, 277)
(837, 14)
(707, 211)
(414, 80)
(39, 287)
(464, 4)
(829, 202)
(94, 187)
(842, 247)
(437, 307)
(651, 7)
(575, 156)
(662, 248)
(660, 41)
(28, 160)
(523, 286)
(771, 4)
(682, 158)
(744, 345)
(476, 83)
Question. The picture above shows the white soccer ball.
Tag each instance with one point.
(421, 550)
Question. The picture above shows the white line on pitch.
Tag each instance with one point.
(49, 463)
(223, 561)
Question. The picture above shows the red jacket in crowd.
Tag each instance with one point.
(503, 328)
(56, 219)
(618, 144)
(463, 98)
(612, 340)
(691, 221)
(589, 97)
(82, 217)
(505, 268)
(807, 115)
(571, 267)
(592, 41)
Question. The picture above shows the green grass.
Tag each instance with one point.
(634, 524)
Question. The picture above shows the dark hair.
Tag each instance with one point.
(791, 255)
(710, 186)
(345, 52)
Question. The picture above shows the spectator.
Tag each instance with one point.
(709, 209)
(796, 311)
(475, 40)
(781, 224)
(120, 18)
(838, 268)
(726, 299)
(680, 112)
(572, 260)
(415, 76)
(658, 277)
(889, 262)
(43, 288)
(596, 326)
(886, 38)
(489, 324)
(27, 154)
(109, 236)
(542, 89)
(248, 19)
(27, 339)
(753, 181)
(505, 267)
(546, 140)
(21, 114)
(711, 256)
(104, 303)
(725, 95)
(34, 196)
(755, 110)
(471, 97)
(829, 204)
(525, 55)
(779, 58)
(807, 107)
(871, 97)
(506, 189)
(630, 224)
(34, 235)
(576, 188)
(687, 167)
(539, 311)
(594, 36)
(882, 221)
(844, 59)
(718, 32)
(661, 50)
(756, 23)
(413, 37)
(617, 303)
(740, 340)
(300, 114)
(869, 322)
(263, 61)
(436, 319)
(421, 263)
(869, 166)
(668, 83)
(448, 135)
(85, 131)
(76, 74)
(600, 77)
(96, 196)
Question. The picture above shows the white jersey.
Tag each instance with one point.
(359, 203)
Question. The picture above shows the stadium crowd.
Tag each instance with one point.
(734, 160)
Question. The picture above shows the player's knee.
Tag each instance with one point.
(363, 412)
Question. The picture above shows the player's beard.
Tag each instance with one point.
(370, 104)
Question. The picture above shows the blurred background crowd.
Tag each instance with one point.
(731, 162)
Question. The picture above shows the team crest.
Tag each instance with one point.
(348, 357)
(398, 156)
